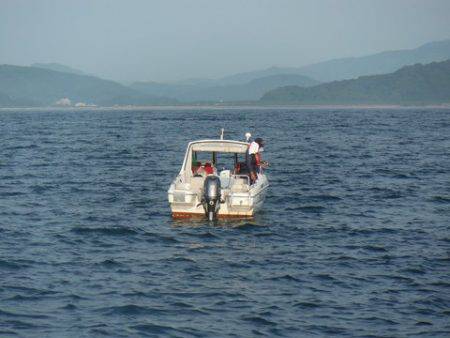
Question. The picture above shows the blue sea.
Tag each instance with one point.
(353, 241)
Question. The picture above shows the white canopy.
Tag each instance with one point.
(220, 146)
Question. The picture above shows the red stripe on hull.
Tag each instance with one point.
(183, 215)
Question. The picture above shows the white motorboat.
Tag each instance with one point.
(214, 182)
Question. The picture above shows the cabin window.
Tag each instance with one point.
(225, 161)
(201, 156)
(221, 161)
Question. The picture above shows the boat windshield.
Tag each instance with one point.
(219, 161)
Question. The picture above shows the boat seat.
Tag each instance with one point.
(239, 184)
(225, 179)
(197, 182)
(239, 187)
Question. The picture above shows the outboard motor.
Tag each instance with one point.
(211, 196)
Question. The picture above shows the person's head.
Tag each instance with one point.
(260, 141)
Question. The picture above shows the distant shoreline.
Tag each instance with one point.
(222, 107)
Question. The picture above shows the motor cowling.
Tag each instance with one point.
(211, 196)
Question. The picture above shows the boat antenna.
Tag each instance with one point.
(221, 133)
(247, 136)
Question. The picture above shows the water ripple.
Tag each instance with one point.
(354, 238)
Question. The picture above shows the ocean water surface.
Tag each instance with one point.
(354, 238)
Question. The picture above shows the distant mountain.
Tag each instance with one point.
(59, 68)
(252, 90)
(179, 91)
(251, 85)
(249, 91)
(352, 67)
(417, 84)
(239, 78)
(380, 63)
(196, 82)
(245, 77)
(7, 101)
(38, 86)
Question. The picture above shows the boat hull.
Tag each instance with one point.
(242, 204)
(188, 215)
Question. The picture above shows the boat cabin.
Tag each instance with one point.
(223, 158)
(214, 156)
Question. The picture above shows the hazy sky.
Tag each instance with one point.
(171, 40)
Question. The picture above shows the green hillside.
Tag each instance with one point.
(42, 87)
(58, 67)
(417, 84)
